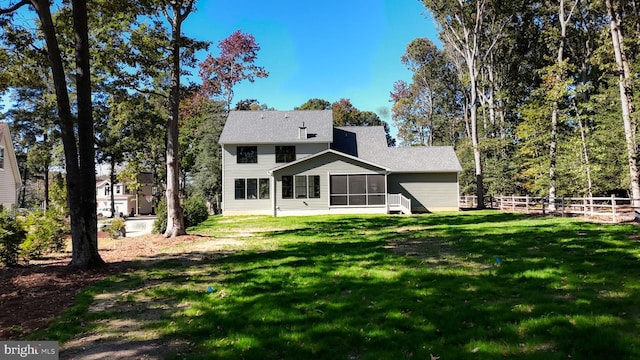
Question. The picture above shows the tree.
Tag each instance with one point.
(79, 150)
(345, 114)
(315, 104)
(626, 93)
(236, 63)
(422, 108)
(204, 119)
(250, 105)
(471, 29)
(176, 12)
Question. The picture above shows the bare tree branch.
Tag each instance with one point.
(14, 7)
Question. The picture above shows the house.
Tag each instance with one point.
(298, 163)
(126, 202)
(10, 180)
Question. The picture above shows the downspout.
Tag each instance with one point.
(272, 193)
(223, 180)
(386, 189)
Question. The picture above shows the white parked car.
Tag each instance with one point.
(105, 212)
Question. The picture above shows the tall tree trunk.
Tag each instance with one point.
(46, 171)
(112, 182)
(175, 217)
(477, 156)
(80, 168)
(626, 98)
(555, 112)
(85, 237)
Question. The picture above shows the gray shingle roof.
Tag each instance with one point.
(371, 145)
(368, 143)
(271, 127)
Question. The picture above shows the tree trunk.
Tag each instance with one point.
(85, 237)
(80, 168)
(46, 171)
(553, 143)
(112, 181)
(626, 96)
(175, 218)
(477, 156)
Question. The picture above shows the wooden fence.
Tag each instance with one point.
(614, 208)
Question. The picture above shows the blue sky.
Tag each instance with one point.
(327, 49)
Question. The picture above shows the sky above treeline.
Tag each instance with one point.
(329, 49)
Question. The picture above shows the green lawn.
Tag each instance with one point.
(473, 285)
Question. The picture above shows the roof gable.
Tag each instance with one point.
(276, 127)
(322, 153)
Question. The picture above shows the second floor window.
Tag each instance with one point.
(247, 154)
(1, 157)
(285, 154)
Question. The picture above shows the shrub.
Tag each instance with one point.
(11, 235)
(160, 224)
(116, 228)
(195, 212)
(45, 234)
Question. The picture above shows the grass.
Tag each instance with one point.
(474, 285)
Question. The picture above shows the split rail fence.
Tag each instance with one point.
(615, 208)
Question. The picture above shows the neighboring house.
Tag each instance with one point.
(298, 163)
(126, 201)
(10, 180)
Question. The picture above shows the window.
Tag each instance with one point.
(264, 188)
(118, 190)
(314, 187)
(251, 189)
(247, 154)
(240, 186)
(357, 190)
(107, 189)
(1, 157)
(306, 187)
(285, 154)
(301, 187)
(287, 187)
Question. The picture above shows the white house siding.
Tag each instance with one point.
(8, 183)
(324, 166)
(428, 192)
(7, 186)
(266, 161)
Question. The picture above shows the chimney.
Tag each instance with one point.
(302, 132)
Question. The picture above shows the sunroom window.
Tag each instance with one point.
(357, 190)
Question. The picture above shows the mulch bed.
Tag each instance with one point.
(32, 295)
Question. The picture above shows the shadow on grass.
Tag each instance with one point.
(525, 288)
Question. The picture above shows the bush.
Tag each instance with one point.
(116, 228)
(45, 234)
(195, 212)
(11, 235)
(160, 224)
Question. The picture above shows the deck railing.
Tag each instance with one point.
(398, 202)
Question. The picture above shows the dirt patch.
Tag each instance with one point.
(32, 295)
